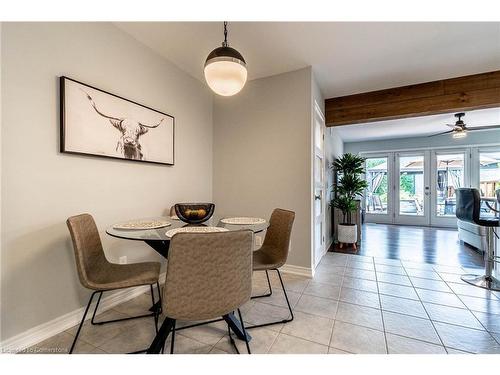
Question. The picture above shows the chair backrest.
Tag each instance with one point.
(89, 254)
(208, 274)
(277, 241)
(497, 193)
(468, 205)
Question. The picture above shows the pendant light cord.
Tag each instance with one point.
(225, 43)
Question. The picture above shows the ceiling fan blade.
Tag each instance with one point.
(447, 132)
(484, 127)
(451, 125)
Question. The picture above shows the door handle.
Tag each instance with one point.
(317, 197)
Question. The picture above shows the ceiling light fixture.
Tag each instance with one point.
(225, 69)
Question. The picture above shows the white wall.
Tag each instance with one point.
(262, 154)
(42, 187)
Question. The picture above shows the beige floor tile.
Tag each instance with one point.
(293, 283)
(262, 339)
(452, 315)
(485, 305)
(471, 291)
(359, 297)
(357, 339)
(360, 284)
(439, 286)
(209, 334)
(489, 321)
(329, 268)
(440, 298)
(322, 290)
(278, 298)
(393, 279)
(409, 326)
(332, 350)
(285, 344)
(187, 345)
(467, 339)
(403, 306)
(368, 266)
(137, 337)
(328, 278)
(404, 345)
(360, 274)
(59, 344)
(423, 274)
(217, 351)
(137, 306)
(359, 315)
(389, 262)
(455, 351)
(309, 327)
(262, 313)
(97, 335)
(398, 270)
(317, 306)
(397, 290)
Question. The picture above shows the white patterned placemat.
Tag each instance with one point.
(143, 224)
(243, 220)
(171, 232)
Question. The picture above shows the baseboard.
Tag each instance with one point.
(297, 270)
(44, 331)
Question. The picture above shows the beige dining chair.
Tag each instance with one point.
(97, 274)
(209, 275)
(274, 253)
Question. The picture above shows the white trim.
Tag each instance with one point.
(297, 270)
(51, 328)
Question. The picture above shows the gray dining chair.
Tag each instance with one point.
(209, 275)
(274, 253)
(98, 274)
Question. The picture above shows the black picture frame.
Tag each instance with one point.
(63, 125)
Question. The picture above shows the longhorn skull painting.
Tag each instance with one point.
(98, 123)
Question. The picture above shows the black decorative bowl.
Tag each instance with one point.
(194, 213)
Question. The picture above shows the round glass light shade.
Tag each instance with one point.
(225, 71)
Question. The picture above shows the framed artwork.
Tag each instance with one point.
(96, 122)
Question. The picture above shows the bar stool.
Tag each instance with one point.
(469, 209)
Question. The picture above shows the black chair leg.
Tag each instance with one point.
(172, 343)
(244, 332)
(93, 322)
(287, 302)
(160, 339)
(81, 323)
(270, 288)
(155, 313)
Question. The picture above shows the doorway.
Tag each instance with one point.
(416, 187)
(319, 187)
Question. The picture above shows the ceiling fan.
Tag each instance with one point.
(460, 129)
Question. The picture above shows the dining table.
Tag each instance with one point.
(159, 240)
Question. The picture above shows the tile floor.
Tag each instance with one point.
(354, 304)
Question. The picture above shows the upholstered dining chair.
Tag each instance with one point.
(274, 253)
(97, 274)
(209, 275)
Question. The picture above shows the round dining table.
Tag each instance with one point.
(159, 240)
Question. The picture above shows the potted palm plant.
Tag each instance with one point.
(350, 185)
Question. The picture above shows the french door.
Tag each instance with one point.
(412, 191)
(415, 187)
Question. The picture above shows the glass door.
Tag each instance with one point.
(378, 196)
(448, 174)
(319, 186)
(412, 190)
(489, 180)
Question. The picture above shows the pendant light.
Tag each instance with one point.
(225, 69)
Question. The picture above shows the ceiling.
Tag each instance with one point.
(347, 58)
(416, 126)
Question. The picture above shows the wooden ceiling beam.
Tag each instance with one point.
(445, 96)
